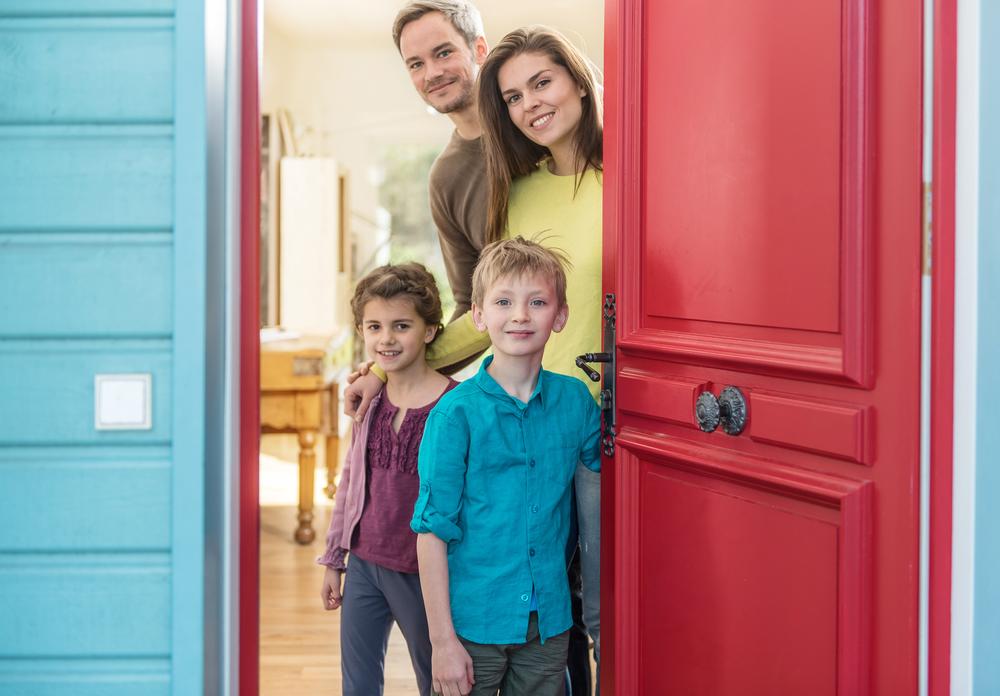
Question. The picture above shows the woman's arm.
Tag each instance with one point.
(457, 342)
(451, 350)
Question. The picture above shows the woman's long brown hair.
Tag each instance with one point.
(509, 153)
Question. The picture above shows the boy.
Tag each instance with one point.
(496, 471)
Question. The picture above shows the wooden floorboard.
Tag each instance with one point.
(299, 641)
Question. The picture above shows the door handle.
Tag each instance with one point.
(582, 360)
(729, 411)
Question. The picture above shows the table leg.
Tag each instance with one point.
(305, 533)
(332, 465)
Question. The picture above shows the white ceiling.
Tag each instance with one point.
(354, 21)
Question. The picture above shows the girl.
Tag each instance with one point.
(397, 311)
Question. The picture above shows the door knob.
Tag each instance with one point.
(729, 411)
(582, 360)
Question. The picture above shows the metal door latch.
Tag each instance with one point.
(608, 390)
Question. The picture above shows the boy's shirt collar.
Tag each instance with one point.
(484, 380)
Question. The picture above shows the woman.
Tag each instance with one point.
(542, 139)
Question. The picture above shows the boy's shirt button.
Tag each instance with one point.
(534, 508)
(524, 598)
(532, 464)
(531, 552)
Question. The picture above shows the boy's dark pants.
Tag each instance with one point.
(522, 669)
(578, 656)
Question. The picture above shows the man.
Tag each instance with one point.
(442, 45)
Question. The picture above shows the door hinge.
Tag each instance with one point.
(608, 388)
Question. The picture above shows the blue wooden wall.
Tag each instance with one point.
(102, 270)
(986, 621)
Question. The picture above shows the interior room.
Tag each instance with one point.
(346, 146)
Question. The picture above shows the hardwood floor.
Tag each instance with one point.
(299, 641)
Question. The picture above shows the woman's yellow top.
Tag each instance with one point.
(549, 209)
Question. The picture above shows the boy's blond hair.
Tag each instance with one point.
(519, 257)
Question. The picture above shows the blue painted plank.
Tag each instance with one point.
(85, 606)
(86, 285)
(192, 344)
(93, 501)
(86, 178)
(986, 622)
(43, 8)
(72, 685)
(48, 390)
(93, 70)
(85, 677)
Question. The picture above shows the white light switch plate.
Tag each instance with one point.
(123, 402)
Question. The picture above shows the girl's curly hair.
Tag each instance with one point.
(411, 280)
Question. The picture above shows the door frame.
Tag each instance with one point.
(622, 38)
(248, 496)
(942, 385)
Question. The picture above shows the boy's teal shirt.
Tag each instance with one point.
(496, 478)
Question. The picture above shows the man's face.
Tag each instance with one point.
(441, 65)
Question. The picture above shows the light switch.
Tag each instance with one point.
(123, 402)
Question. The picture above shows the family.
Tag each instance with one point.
(469, 513)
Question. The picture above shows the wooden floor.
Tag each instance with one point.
(299, 648)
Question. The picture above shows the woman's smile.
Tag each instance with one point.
(541, 121)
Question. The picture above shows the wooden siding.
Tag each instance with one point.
(74, 55)
(86, 177)
(96, 272)
(101, 532)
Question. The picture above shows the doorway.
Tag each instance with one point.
(942, 307)
(374, 150)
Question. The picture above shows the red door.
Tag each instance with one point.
(763, 199)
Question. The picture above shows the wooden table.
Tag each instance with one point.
(296, 397)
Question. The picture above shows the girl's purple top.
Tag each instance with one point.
(383, 533)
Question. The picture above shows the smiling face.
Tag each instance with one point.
(543, 100)
(520, 312)
(441, 64)
(395, 335)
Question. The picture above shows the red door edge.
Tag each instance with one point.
(942, 344)
(249, 389)
(619, 34)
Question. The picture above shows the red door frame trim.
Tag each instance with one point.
(942, 344)
(249, 416)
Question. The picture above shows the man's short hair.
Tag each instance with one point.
(518, 257)
(463, 16)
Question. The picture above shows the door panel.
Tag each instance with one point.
(763, 221)
(754, 185)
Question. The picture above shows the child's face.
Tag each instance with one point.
(395, 335)
(520, 312)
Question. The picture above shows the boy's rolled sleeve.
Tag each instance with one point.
(590, 451)
(442, 464)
